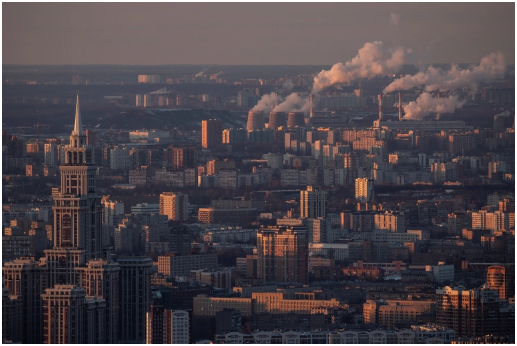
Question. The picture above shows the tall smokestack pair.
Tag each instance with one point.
(400, 106)
(311, 100)
(380, 107)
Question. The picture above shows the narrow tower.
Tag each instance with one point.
(311, 104)
(380, 107)
(400, 106)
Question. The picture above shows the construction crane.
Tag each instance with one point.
(38, 126)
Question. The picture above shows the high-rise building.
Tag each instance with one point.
(313, 202)
(282, 254)
(211, 133)
(364, 189)
(174, 205)
(147, 100)
(51, 154)
(79, 226)
(101, 279)
(502, 279)
(25, 280)
(64, 311)
(471, 313)
(139, 100)
(135, 297)
(165, 326)
(180, 157)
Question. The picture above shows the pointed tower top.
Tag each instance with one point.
(78, 126)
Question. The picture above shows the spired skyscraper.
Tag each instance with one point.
(77, 212)
(77, 294)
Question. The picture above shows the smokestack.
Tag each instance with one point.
(400, 106)
(380, 107)
(438, 114)
(311, 100)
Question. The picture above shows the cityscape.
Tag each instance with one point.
(355, 186)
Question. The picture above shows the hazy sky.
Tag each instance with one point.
(263, 33)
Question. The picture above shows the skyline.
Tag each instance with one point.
(305, 34)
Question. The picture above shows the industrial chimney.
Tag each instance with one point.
(438, 114)
(400, 106)
(311, 100)
(380, 107)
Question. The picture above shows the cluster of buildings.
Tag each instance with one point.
(403, 232)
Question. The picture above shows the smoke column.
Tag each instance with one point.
(425, 104)
(268, 102)
(373, 59)
(293, 103)
(491, 67)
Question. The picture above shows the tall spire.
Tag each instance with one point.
(78, 126)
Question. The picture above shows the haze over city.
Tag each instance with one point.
(258, 173)
(250, 34)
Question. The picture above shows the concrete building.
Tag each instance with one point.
(135, 297)
(119, 158)
(211, 133)
(470, 313)
(389, 312)
(502, 279)
(181, 265)
(441, 272)
(166, 326)
(364, 189)
(232, 217)
(174, 205)
(313, 202)
(282, 254)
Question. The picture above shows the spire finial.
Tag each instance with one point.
(78, 126)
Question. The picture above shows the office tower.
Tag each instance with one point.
(364, 189)
(139, 100)
(135, 297)
(282, 254)
(165, 326)
(471, 313)
(50, 154)
(174, 205)
(101, 279)
(64, 310)
(313, 202)
(255, 121)
(211, 133)
(25, 281)
(502, 279)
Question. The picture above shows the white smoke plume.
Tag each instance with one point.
(293, 103)
(287, 85)
(504, 114)
(267, 102)
(373, 59)
(491, 67)
(200, 73)
(426, 104)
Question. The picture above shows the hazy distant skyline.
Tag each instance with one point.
(250, 33)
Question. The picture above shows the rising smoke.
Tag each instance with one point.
(267, 102)
(491, 67)
(200, 73)
(372, 60)
(426, 104)
(293, 103)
